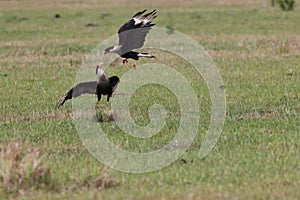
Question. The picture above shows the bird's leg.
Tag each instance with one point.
(108, 96)
(99, 96)
(134, 64)
(125, 61)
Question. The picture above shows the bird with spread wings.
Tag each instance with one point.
(132, 36)
(104, 86)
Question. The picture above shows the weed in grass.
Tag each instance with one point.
(286, 5)
(283, 46)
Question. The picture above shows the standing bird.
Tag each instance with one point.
(104, 86)
(132, 36)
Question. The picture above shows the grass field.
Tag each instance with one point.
(256, 48)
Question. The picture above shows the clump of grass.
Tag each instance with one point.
(104, 113)
(286, 5)
(103, 181)
(284, 47)
(21, 168)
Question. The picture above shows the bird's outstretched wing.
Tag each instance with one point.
(133, 33)
(77, 90)
(114, 80)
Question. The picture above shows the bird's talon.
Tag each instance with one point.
(125, 61)
(134, 65)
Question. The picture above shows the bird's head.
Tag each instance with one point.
(99, 69)
(107, 50)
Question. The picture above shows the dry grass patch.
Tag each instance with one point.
(92, 4)
(253, 46)
(103, 181)
(22, 168)
(36, 116)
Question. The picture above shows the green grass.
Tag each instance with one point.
(254, 46)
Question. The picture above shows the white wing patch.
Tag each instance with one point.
(145, 21)
(137, 21)
(144, 55)
(116, 48)
(141, 19)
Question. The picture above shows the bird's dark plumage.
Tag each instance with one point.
(104, 86)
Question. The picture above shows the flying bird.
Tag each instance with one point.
(104, 86)
(132, 36)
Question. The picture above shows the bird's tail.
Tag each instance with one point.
(67, 96)
(146, 55)
(61, 102)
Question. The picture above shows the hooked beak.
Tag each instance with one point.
(105, 52)
(99, 66)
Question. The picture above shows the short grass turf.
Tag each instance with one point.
(256, 48)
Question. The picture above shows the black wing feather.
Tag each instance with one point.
(114, 80)
(139, 13)
(131, 35)
(77, 90)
